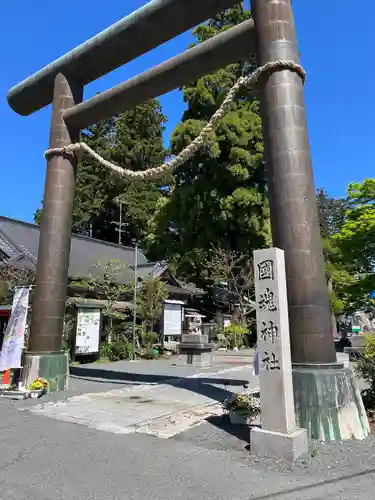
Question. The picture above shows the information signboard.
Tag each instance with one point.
(88, 330)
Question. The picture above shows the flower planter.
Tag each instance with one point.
(237, 418)
(37, 388)
(13, 394)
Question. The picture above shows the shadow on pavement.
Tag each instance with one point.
(202, 385)
(240, 432)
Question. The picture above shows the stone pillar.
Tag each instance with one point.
(279, 435)
(292, 199)
(44, 357)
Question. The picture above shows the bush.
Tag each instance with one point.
(365, 368)
(150, 353)
(150, 338)
(116, 351)
(234, 335)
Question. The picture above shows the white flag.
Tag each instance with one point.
(14, 337)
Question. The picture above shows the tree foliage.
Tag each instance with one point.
(133, 140)
(356, 237)
(104, 284)
(331, 213)
(356, 243)
(13, 275)
(339, 271)
(347, 227)
(231, 278)
(219, 197)
(150, 301)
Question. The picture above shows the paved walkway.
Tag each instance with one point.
(160, 409)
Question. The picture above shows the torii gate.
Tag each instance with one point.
(295, 227)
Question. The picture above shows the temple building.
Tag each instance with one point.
(88, 256)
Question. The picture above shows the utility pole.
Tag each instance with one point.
(135, 297)
(119, 223)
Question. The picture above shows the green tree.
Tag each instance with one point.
(219, 197)
(356, 241)
(230, 279)
(104, 283)
(339, 278)
(331, 213)
(133, 140)
(150, 302)
(13, 275)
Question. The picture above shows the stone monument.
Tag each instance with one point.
(194, 344)
(278, 436)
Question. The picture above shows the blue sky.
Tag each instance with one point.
(336, 52)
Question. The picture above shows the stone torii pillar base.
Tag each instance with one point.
(328, 403)
(51, 366)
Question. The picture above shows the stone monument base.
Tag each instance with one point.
(197, 356)
(271, 444)
(52, 366)
(328, 403)
(196, 348)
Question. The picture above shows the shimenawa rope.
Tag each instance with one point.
(197, 143)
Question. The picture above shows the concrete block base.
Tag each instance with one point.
(196, 355)
(328, 403)
(52, 366)
(200, 358)
(271, 444)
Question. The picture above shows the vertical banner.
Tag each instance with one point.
(14, 337)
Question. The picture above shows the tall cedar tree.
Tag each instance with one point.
(133, 140)
(219, 198)
(331, 213)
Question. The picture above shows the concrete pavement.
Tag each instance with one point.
(44, 456)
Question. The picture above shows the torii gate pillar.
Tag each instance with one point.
(326, 401)
(47, 320)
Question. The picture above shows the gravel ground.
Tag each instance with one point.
(44, 459)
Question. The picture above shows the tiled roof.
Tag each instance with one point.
(21, 238)
(154, 268)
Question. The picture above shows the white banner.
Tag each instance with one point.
(14, 337)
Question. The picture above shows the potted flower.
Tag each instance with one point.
(38, 387)
(11, 391)
(242, 408)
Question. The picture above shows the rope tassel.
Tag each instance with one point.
(169, 167)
